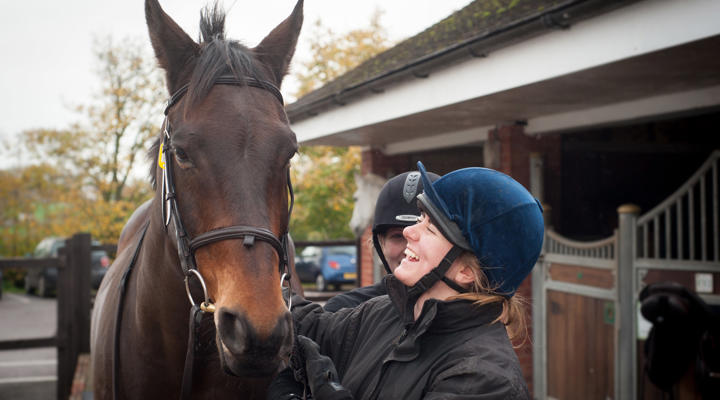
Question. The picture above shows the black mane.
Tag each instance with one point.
(218, 56)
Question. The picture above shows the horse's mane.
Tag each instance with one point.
(218, 56)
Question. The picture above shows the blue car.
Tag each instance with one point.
(330, 265)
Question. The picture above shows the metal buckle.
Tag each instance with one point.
(206, 305)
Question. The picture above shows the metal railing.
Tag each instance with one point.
(685, 228)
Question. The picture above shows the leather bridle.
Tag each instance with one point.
(186, 247)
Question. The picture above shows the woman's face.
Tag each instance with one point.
(426, 247)
(393, 246)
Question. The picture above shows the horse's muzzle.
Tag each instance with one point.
(244, 353)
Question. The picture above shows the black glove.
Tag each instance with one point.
(321, 374)
(285, 387)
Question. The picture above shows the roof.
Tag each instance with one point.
(479, 19)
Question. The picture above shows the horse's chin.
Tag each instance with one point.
(250, 367)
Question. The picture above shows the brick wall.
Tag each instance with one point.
(366, 258)
(514, 148)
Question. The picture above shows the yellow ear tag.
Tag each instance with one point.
(161, 159)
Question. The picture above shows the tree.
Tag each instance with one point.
(335, 54)
(323, 175)
(102, 152)
(89, 178)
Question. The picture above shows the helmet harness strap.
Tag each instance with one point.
(438, 274)
(379, 251)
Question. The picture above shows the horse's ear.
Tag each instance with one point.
(173, 47)
(277, 49)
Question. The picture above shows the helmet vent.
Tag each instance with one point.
(411, 186)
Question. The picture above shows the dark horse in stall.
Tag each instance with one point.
(220, 170)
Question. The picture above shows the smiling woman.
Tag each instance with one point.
(445, 328)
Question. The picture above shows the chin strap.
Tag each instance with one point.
(438, 274)
(381, 255)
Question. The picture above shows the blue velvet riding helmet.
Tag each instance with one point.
(490, 214)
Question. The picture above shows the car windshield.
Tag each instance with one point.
(345, 250)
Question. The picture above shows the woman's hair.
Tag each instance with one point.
(513, 314)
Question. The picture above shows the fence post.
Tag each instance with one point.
(625, 350)
(539, 329)
(73, 293)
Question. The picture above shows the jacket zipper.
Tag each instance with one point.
(376, 391)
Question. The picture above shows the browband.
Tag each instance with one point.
(228, 80)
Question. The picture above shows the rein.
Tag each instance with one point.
(186, 246)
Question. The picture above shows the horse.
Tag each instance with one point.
(212, 240)
(365, 196)
(682, 351)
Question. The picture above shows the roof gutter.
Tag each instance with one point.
(560, 17)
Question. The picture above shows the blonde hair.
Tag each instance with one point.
(513, 314)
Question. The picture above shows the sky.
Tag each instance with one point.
(46, 45)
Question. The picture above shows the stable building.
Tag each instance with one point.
(606, 110)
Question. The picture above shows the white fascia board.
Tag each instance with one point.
(633, 30)
(626, 111)
(452, 139)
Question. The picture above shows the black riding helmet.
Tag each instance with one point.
(397, 206)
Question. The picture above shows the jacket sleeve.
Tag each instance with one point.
(355, 297)
(335, 333)
(475, 378)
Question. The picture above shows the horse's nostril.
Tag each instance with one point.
(233, 329)
(239, 336)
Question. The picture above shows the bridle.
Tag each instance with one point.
(186, 247)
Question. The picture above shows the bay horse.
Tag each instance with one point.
(212, 240)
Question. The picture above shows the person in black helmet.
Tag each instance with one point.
(395, 209)
(444, 329)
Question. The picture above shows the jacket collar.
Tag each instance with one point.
(445, 316)
(436, 317)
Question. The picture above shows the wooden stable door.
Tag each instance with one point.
(580, 347)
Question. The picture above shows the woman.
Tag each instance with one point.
(444, 330)
(395, 209)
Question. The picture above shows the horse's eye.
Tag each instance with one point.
(180, 155)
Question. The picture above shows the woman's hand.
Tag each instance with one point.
(321, 374)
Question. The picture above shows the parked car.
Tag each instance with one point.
(43, 281)
(331, 265)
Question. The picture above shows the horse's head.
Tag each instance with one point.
(368, 189)
(229, 150)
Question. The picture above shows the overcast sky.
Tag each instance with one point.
(46, 45)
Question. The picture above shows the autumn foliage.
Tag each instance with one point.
(91, 175)
(324, 175)
(85, 178)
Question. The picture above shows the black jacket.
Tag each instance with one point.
(355, 297)
(451, 352)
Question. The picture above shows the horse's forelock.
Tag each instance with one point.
(212, 23)
(218, 56)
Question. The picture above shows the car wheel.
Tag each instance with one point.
(42, 287)
(320, 283)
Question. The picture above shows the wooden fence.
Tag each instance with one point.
(72, 335)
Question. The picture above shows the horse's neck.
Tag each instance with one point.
(157, 277)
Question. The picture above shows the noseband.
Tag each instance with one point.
(186, 247)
